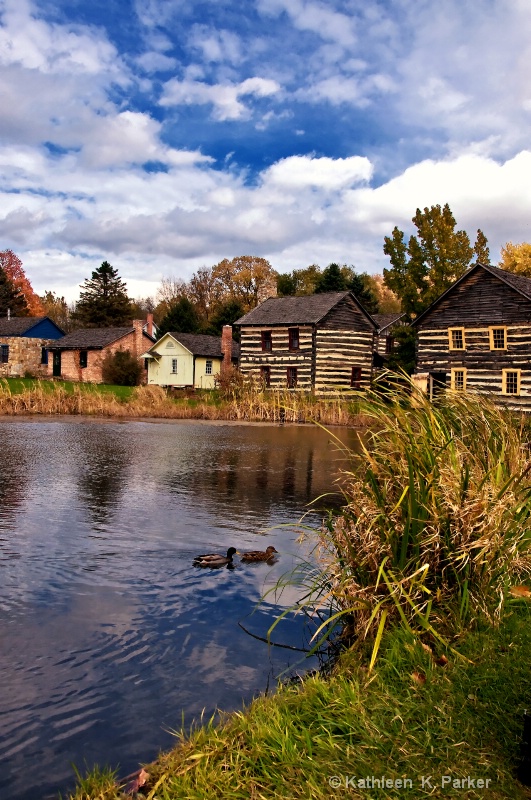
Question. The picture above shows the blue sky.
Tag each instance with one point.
(166, 135)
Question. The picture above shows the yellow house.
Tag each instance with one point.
(189, 360)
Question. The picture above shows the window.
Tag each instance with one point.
(44, 355)
(498, 338)
(355, 378)
(293, 334)
(458, 380)
(265, 375)
(4, 354)
(389, 344)
(169, 345)
(208, 368)
(174, 366)
(83, 358)
(267, 341)
(511, 381)
(292, 377)
(456, 338)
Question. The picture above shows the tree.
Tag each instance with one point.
(286, 284)
(11, 298)
(14, 270)
(248, 279)
(299, 282)
(430, 262)
(225, 314)
(331, 279)
(403, 355)
(103, 301)
(182, 317)
(481, 248)
(57, 309)
(388, 302)
(516, 258)
(121, 368)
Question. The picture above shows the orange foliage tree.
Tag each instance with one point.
(12, 266)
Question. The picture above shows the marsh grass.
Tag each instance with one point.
(436, 524)
(465, 719)
(249, 404)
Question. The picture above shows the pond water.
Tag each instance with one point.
(110, 638)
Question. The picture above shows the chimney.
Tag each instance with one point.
(138, 325)
(226, 347)
(150, 324)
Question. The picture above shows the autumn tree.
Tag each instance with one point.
(57, 309)
(516, 258)
(247, 279)
(431, 261)
(12, 265)
(388, 302)
(299, 282)
(103, 301)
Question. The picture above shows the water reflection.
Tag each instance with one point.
(109, 633)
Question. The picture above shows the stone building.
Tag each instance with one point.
(24, 345)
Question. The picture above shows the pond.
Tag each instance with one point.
(110, 638)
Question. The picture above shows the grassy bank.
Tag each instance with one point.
(410, 718)
(424, 565)
(248, 404)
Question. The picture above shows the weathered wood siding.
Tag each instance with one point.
(252, 357)
(476, 305)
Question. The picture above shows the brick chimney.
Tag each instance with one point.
(226, 347)
(138, 325)
(150, 324)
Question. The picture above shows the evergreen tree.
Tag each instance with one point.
(430, 262)
(331, 279)
(182, 318)
(11, 298)
(103, 302)
(225, 314)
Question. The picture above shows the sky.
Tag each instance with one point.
(167, 135)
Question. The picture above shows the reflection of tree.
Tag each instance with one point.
(13, 482)
(104, 474)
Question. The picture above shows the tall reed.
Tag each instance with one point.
(436, 524)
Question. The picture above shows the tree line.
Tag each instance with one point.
(422, 267)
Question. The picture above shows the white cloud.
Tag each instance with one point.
(216, 45)
(225, 98)
(298, 172)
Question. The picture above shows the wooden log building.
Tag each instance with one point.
(318, 343)
(477, 337)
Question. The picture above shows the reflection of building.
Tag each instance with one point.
(24, 345)
(317, 342)
(190, 360)
(477, 337)
(79, 355)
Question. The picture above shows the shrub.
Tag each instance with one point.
(121, 368)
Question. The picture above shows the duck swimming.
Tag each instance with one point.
(215, 559)
(259, 555)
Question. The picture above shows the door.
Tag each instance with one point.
(57, 363)
(437, 384)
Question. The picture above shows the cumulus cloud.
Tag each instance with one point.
(225, 98)
(298, 172)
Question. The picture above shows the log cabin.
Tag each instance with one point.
(477, 337)
(314, 343)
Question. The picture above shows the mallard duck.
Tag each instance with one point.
(215, 559)
(259, 555)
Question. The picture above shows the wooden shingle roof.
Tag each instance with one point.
(90, 338)
(18, 326)
(305, 310)
(385, 320)
(200, 344)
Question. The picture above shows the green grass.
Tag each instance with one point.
(20, 385)
(465, 720)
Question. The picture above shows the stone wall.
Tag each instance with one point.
(25, 355)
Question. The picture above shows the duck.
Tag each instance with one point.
(259, 555)
(215, 559)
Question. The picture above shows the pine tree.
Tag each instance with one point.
(11, 298)
(103, 302)
(182, 318)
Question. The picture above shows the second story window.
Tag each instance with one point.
(498, 338)
(267, 341)
(293, 334)
(457, 338)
